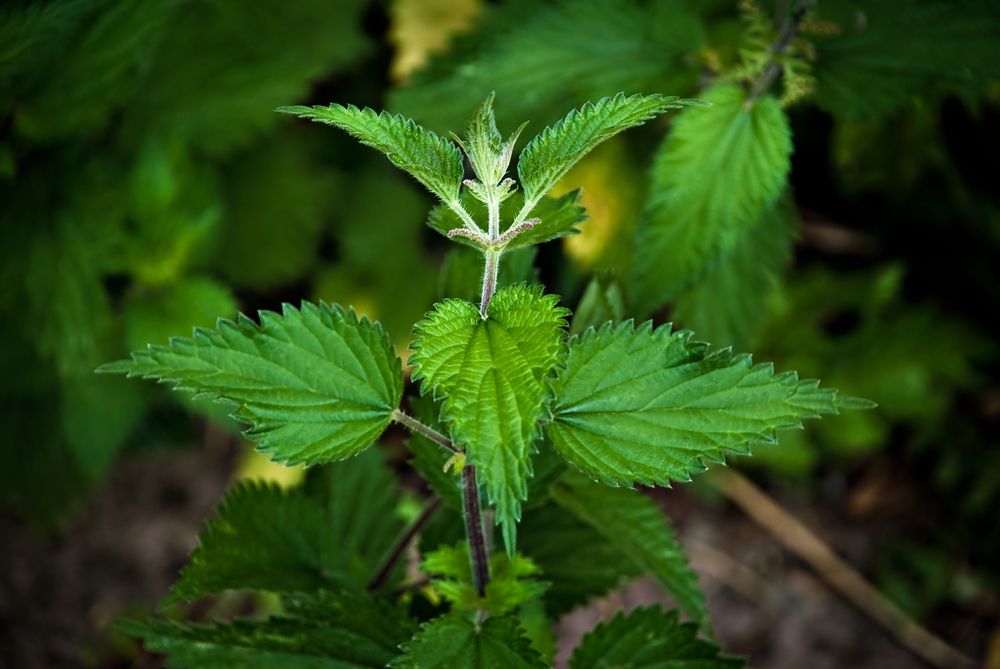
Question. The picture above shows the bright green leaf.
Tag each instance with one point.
(493, 373)
(432, 160)
(640, 530)
(488, 153)
(315, 384)
(455, 642)
(650, 639)
(650, 406)
(509, 587)
(551, 154)
(717, 172)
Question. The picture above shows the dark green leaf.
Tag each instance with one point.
(640, 530)
(455, 642)
(648, 639)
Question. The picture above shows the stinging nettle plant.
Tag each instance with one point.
(518, 425)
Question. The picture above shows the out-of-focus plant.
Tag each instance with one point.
(138, 158)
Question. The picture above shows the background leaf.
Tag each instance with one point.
(717, 172)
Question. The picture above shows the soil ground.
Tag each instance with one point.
(59, 597)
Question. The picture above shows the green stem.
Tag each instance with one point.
(471, 512)
(491, 269)
(414, 425)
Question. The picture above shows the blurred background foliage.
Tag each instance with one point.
(147, 187)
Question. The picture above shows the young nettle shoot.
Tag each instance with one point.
(518, 425)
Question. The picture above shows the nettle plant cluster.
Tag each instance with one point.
(518, 426)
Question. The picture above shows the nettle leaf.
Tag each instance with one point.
(729, 304)
(488, 153)
(650, 406)
(558, 217)
(315, 383)
(511, 583)
(639, 529)
(716, 173)
(551, 154)
(651, 639)
(493, 373)
(361, 511)
(327, 631)
(265, 538)
(262, 538)
(455, 642)
(432, 160)
(580, 562)
(602, 301)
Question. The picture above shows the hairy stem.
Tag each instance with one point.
(414, 425)
(472, 513)
(493, 206)
(789, 29)
(399, 548)
(490, 271)
(464, 216)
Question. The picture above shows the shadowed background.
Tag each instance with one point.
(147, 187)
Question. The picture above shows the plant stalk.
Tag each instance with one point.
(399, 548)
(472, 513)
(414, 425)
(490, 271)
(788, 31)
